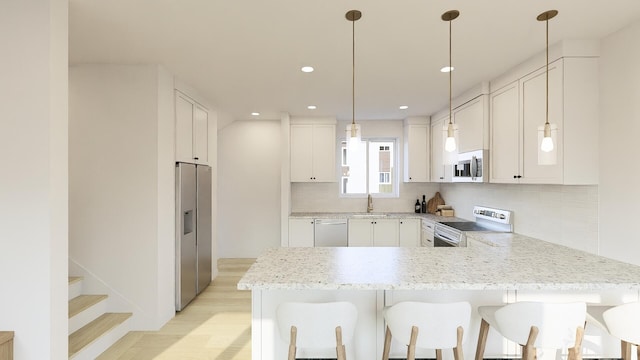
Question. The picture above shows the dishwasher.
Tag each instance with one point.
(330, 232)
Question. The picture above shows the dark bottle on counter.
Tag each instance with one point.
(418, 207)
(424, 205)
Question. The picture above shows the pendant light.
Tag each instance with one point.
(353, 130)
(547, 134)
(450, 142)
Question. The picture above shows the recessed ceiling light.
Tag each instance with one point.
(447, 69)
(307, 69)
(311, 107)
(255, 114)
(403, 107)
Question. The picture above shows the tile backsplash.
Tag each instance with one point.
(324, 197)
(565, 215)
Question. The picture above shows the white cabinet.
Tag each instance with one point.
(301, 232)
(416, 150)
(472, 119)
(428, 228)
(373, 232)
(313, 153)
(518, 108)
(440, 172)
(192, 130)
(410, 232)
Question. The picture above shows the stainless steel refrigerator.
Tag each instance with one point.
(193, 231)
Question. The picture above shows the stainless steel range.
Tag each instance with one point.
(452, 234)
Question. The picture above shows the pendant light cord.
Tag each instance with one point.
(450, 74)
(353, 72)
(547, 99)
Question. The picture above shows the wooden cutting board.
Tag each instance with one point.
(432, 204)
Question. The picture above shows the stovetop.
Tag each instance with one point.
(466, 226)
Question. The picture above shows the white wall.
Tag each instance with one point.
(323, 197)
(619, 134)
(565, 215)
(121, 179)
(248, 188)
(33, 176)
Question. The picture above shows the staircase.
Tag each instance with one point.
(92, 329)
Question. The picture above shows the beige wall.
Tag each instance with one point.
(619, 134)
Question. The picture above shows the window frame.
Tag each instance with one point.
(394, 175)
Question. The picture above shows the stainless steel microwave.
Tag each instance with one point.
(472, 166)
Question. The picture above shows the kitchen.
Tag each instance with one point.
(600, 215)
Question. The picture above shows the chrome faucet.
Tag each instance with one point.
(369, 204)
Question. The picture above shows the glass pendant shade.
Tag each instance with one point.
(547, 140)
(354, 135)
(450, 135)
(450, 142)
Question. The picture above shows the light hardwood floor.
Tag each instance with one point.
(216, 325)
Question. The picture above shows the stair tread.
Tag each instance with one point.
(74, 279)
(83, 302)
(93, 330)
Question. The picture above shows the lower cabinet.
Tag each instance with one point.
(301, 233)
(410, 232)
(374, 232)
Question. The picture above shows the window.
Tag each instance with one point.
(369, 168)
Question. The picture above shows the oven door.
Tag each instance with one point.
(440, 241)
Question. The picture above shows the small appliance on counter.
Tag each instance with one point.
(452, 234)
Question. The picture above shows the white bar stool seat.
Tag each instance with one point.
(428, 326)
(623, 322)
(535, 325)
(317, 326)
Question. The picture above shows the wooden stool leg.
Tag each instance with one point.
(482, 339)
(625, 352)
(438, 354)
(411, 352)
(638, 350)
(575, 353)
(387, 344)
(340, 350)
(529, 349)
(292, 343)
(457, 351)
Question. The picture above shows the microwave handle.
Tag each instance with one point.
(474, 167)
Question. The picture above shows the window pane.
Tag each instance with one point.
(381, 167)
(354, 174)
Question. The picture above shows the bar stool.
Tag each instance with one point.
(623, 322)
(317, 326)
(428, 326)
(535, 325)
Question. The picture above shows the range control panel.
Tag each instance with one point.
(495, 215)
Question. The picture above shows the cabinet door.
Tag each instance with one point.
(200, 135)
(533, 94)
(470, 119)
(324, 153)
(301, 233)
(184, 128)
(386, 232)
(301, 153)
(360, 232)
(410, 232)
(417, 153)
(505, 135)
(437, 148)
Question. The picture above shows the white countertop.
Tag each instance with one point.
(491, 261)
(390, 215)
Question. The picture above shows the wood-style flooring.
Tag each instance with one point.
(216, 325)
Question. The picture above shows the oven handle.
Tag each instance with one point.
(444, 238)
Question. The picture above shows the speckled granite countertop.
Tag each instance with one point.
(491, 261)
(390, 215)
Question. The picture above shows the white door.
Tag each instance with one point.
(360, 232)
(410, 232)
(324, 153)
(505, 135)
(200, 135)
(386, 232)
(301, 232)
(417, 154)
(437, 148)
(470, 120)
(301, 153)
(184, 128)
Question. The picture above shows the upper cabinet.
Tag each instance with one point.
(416, 149)
(192, 130)
(440, 172)
(472, 119)
(519, 108)
(313, 152)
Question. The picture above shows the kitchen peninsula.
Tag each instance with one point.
(493, 269)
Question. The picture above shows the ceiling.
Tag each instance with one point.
(245, 55)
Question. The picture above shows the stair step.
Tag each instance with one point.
(92, 332)
(83, 302)
(75, 286)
